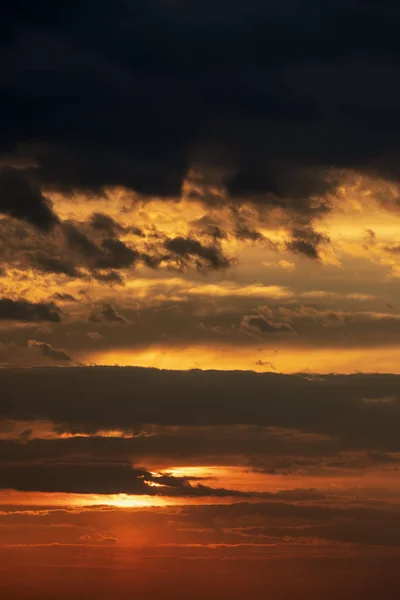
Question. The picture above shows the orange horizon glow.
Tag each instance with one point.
(286, 360)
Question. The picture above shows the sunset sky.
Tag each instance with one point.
(200, 300)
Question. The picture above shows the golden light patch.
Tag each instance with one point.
(227, 358)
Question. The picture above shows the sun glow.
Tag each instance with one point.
(81, 501)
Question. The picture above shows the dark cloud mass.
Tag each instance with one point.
(49, 264)
(306, 241)
(110, 254)
(78, 241)
(210, 256)
(103, 222)
(103, 479)
(117, 255)
(22, 199)
(273, 94)
(22, 310)
(347, 407)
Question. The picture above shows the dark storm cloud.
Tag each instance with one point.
(209, 256)
(262, 450)
(106, 479)
(283, 186)
(273, 93)
(81, 478)
(258, 448)
(22, 310)
(332, 405)
(22, 199)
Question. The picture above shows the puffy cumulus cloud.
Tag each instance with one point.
(25, 311)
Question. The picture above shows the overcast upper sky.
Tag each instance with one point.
(199, 299)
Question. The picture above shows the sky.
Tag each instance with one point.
(200, 299)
